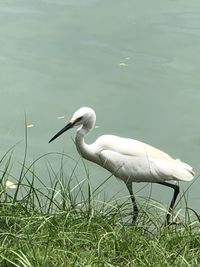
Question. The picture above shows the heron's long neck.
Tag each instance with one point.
(84, 149)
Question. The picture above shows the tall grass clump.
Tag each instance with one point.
(59, 220)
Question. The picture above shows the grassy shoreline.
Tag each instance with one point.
(61, 225)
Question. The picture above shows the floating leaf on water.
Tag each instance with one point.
(60, 117)
(123, 64)
(30, 125)
(10, 184)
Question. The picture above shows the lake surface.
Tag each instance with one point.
(137, 63)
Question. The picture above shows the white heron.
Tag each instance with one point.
(128, 159)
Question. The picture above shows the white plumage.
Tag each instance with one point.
(132, 160)
(128, 159)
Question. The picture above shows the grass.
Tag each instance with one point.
(65, 223)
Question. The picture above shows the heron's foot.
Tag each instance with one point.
(167, 224)
(134, 220)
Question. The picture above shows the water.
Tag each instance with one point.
(135, 62)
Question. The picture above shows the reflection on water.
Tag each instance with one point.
(135, 62)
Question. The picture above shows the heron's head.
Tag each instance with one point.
(84, 116)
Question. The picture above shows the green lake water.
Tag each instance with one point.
(136, 63)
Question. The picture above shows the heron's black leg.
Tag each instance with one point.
(176, 192)
(135, 208)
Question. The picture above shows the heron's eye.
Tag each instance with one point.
(78, 119)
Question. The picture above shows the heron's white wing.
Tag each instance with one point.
(129, 147)
(144, 168)
(133, 168)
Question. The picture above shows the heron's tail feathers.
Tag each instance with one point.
(183, 171)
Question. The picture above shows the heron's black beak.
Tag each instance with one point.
(67, 127)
